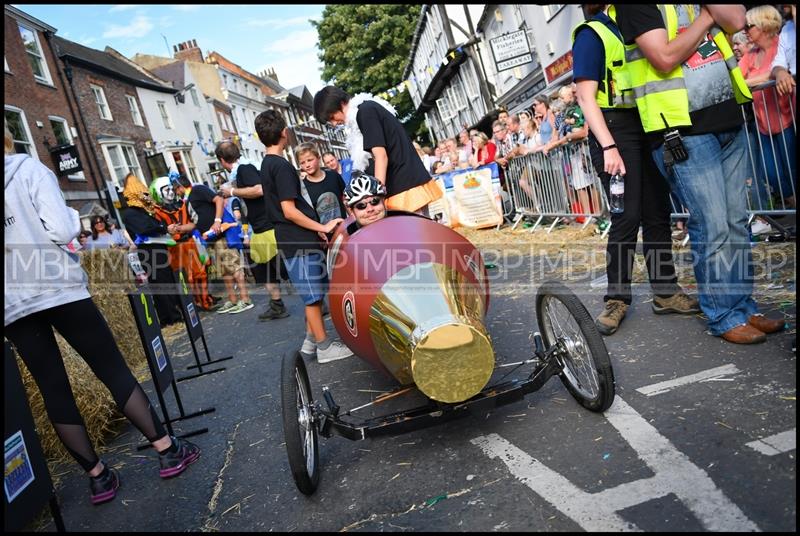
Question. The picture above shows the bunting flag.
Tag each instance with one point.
(423, 75)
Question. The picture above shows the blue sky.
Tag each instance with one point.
(255, 37)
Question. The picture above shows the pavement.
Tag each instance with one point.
(543, 463)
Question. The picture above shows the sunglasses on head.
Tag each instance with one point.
(747, 27)
(375, 201)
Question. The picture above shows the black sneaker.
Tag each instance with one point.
(174, 463)
(275, 310)
(104, 486)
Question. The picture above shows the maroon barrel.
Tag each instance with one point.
(409, 296)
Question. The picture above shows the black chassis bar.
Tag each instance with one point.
(437, 412)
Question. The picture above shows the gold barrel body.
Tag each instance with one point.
(426, 324)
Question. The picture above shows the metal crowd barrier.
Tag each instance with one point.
(560, 184)
(563, 183)
(772, 158)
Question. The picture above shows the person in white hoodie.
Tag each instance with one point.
(45, 288)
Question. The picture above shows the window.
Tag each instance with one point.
(102, 103)
(162, 108)
(193, 93)
(121, 159)
(19, 131)
(5, 61)
(211, 132)
(35, 55)
(134, 107)
(63, 136)
(198, 131)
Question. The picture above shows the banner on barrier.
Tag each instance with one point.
(472, 198)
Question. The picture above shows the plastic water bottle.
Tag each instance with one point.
(617, 200)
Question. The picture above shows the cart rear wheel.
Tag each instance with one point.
(299, 429)
(565, 322)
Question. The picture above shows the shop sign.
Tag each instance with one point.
(559, 67)
(511, 50)
(66, 160)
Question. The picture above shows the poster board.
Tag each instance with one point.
(27, 484)
(472, 197)
(155, 348)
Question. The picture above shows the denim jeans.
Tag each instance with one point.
(711, 183)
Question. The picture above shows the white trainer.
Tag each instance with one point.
(309, 347)
(335, 351)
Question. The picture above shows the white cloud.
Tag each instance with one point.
(86, 41)
(185, 7)
(289, 75)
(123, 7)
(276, 24)
(138, 27)
(293, 43)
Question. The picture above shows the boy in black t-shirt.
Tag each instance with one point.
(260, 216)
(299, 235)
(381, 147)
(325, 187)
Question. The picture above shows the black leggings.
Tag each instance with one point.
(85, 329)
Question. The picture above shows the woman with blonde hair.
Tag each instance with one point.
(483, 150)
(774, 116)
(55, 295)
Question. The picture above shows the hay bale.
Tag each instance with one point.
(110, 279)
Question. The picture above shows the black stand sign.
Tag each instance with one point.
(158, 359)
(193, 326)
(28, 486)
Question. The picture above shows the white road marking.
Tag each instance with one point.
(776, 444)
(705, 375)
(674, 473)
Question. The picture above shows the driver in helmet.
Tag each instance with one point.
(365, 197)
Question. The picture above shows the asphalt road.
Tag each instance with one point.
(679, 449)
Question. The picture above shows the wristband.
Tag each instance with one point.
(218, 220)
(608, 147)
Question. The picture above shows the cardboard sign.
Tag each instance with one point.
(469, 206)
(155, 349)
(27, 483)
(190, 316)
(477, 206)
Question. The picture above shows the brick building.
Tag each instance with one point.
(41, 112)
(106, 90)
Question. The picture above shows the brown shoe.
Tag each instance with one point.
(766, 325)
(744, 334)
(608, 321)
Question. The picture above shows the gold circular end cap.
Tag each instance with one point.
(452, 363)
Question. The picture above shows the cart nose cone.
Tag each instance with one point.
(453, 362)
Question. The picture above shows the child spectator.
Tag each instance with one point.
(299, 235)
(325, 187)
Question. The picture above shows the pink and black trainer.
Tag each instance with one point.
(176, 459)
(104, 486)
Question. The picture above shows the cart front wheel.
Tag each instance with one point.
(565, 322)
(299, 428)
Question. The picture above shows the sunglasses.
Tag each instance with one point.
(375, 201)
(747, 27)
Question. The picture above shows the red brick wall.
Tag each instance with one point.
(121, 125)
(39, 101)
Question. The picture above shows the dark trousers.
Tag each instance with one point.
(84, 328)
(646, 204)
(155, 261)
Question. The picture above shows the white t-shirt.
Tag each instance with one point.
(787, 49)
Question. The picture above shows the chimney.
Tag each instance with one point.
(271, 74)
(189, 51)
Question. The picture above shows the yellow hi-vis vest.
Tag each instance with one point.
(614, 91)
(658, 93)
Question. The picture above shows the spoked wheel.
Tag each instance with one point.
(565, 322)
(299, 430)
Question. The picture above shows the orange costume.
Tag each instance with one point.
(184, 255)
